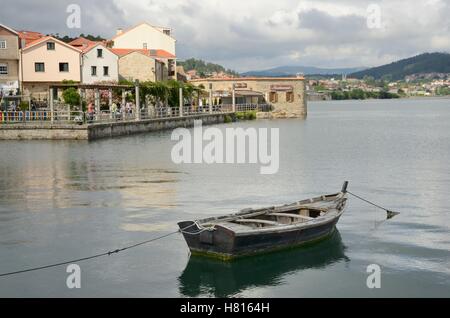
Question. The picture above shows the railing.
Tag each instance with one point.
(78, 117)
(254, 107)
(41, 116)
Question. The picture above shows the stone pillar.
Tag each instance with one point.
(181, 102)
(52, 106)
(80, 92)
(124, 95)
(233, 98)
(210, 99)
(97, 103)
(138, 101)
(110, 101)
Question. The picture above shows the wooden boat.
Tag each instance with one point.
(255, 231)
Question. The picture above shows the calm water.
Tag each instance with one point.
(64, 200)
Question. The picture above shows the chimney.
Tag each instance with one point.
(119, 31)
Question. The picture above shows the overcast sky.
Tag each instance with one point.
(260, 34)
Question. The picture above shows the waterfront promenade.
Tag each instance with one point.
(75, 125)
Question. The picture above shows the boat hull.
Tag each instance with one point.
(226, 245)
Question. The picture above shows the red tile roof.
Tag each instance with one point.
(81, 42)
(152, 53)
(48, 37)
(30, 36)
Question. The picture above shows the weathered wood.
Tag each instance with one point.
(257, 221)
(236, 235)
(295, 216)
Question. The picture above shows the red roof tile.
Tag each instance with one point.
(30, 36)
(152, 53)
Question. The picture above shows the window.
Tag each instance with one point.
(39, 67)
(290, 97)
(273, 97)
(144, 45)
(99, 53)
(63, 67)
(105, 71)
(94, 70)
(3, 44)
(3, 69)
(51, 46)
(166, 32)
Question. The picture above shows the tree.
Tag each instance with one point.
(71, 96)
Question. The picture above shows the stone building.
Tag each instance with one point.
(286, 95)
(141, 65)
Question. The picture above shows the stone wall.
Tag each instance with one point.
(137, 66)
(97, 131)
(46, 131)
(43, 131)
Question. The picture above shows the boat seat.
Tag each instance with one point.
(295, 216)
(257, 221)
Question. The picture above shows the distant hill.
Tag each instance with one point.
(307, 70)
(204, 68)
(68, 39)
(424, 63)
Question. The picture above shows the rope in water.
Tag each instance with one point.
(95, 256)
(389, 212)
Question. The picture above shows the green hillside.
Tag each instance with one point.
(424, 63)
(203, 67)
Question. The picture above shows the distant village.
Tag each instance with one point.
(417, 85)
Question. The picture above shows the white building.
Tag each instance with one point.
(145, 36)
(99, 65)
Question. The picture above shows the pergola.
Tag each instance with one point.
(82, 88)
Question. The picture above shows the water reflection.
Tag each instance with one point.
(206, 277)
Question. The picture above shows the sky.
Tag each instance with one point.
(260, 34)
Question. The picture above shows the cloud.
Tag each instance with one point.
(259, 34)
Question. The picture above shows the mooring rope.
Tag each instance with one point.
(97, 255)
(390, 213)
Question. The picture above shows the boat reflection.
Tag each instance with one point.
(207, 277)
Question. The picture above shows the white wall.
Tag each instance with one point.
(109, 59)
(144, 33)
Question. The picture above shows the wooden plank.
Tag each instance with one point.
(257, 221)
(295, 216)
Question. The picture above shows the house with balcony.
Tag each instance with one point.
(99, 64)
(9, 60)
(145, 36)
(48, 61)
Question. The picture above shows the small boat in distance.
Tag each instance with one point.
(256, 231)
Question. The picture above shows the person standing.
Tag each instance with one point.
(113, 110)
(91, 111)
